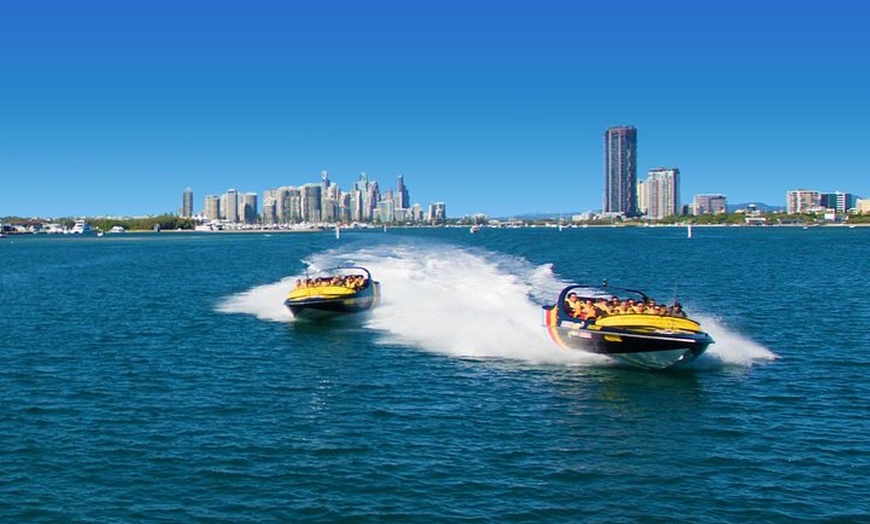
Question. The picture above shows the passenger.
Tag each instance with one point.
(590, 312)
(677, 311)
(603, 307)
(640, 308)
(574, 306)
(623, 307)
(298, 283)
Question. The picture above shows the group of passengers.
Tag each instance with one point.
(354, 282)
(589, 309)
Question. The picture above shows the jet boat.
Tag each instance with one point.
(337, 292)
(659, 339)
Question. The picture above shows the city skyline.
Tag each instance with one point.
(113, 109)
(310, 202)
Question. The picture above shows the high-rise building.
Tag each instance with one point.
(709, 205)
(310, 203)
(642, 197)
(437, 212)
(213, 207)
(362, 203)
(803, 201)
(403, 199)
(838, 201)
(230, 206)
(386, 211)
(249, 208)
(620, 170)
(187, 203)
(270, 207)
(661, 193)
(288, 205)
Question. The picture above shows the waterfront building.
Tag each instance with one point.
(416, 213)
(310, 203)
(803, 201)
(661, 193)
(249, 213)
(213, 207)
(230, 206)
(437, 213)
(288, 205)
(187, 203)
(403, 197)
(270, 207)
(709, 205)
(862, 205)
(642, 198)
(364, 199)
(344, 207)
(620, 171)
(386, 211)
(839, 201)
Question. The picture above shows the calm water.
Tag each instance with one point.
(157, 378)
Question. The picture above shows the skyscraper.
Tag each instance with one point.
(403, 199)
(662, 193)
(803, 201)
(213, 207)
(249, 213)
(620, 170)
(187, 203)
(230, 206)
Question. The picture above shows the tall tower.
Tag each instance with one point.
(402, 196)
(213, 207)
(231, 206)
(620, 170)
(663, 193)
(249, 213)
(187, 203)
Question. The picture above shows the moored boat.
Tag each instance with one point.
(338, 292)
(626, 325)
(81, 227)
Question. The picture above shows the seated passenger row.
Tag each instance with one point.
(588, 309)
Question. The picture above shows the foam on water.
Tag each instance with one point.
(266, 302)
(730, 348)
(464, 303)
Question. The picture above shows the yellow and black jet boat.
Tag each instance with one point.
(626, 325)
(338, 292)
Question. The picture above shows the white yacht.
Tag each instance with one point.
(81, 227)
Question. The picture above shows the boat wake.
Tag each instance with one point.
(730, 349)
(467, 304)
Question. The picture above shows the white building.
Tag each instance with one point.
(659, 196)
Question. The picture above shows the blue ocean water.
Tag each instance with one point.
(158, 378)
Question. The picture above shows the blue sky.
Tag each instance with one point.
(492, 107)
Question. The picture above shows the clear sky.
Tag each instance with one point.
(115, 108)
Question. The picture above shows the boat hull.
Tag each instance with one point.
(325, 304)
(644, 340)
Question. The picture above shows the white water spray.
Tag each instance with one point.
(450, 300)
